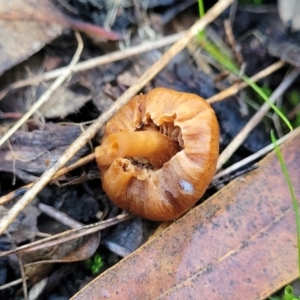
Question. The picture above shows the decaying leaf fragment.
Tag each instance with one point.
(32, 24)
(29, 154)
(240, 243)
(62, 103)
(39, 263)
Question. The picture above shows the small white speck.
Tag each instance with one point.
(105, 294)
(186, 186)
(37, 45)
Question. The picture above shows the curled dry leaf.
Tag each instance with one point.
(159, 153)
(39, 263)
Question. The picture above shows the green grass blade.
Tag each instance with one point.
(219, 56)
(261, 93)
(230, 66)
(226, 62)
(201, 14)
(201, 8)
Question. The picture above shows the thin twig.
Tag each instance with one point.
(45, 97)
(242, 135)
(232, 42)
(218, 8)
(254, 156)
(24, 278)
(11, 284)
(96, 62)
(20, 191)
(235, 88)
(68, 235)
(59, 216)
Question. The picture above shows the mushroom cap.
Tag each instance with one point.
(167, 192)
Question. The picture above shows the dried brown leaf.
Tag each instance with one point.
(62, 103)
(72, 251)
(27, 25)
(32, 36)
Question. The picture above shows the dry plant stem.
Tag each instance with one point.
(234, 89)
(254, 156)
(242, 135)
(59, 216)
(194, 50)
(96, 62)
(44, 98)
(82, 161)
(11, 284)
(231, 39)
(69, 235)
(24, 278)
(219, 41)
(126, 97)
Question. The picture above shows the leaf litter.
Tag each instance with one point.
(75, 104)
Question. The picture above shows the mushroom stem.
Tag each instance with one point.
(152, 145)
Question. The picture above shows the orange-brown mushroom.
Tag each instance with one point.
(159, 153)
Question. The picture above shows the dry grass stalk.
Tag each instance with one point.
(254, 156)
(45, 97)
(242, 135)
(68, 235)
(95, 62)
(235, 88)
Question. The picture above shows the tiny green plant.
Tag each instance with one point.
(94, 264)
(288, 294)
(294, 100)
(294, 97)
